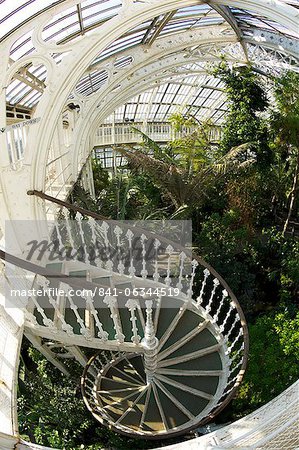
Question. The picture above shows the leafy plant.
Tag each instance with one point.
(247, 99)
(185, 170)
(285, 125)
(273, 360)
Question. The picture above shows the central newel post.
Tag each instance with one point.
(149, 343)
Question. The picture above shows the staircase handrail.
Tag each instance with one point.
(46, 272)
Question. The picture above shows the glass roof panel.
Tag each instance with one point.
(247, 18)
(22, 46)
(205, 98)
(32, 99)
(14, 12)
(95, 12)
(62, 25)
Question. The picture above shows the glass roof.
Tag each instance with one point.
(199, 95)
(73, 22)
(90, 13)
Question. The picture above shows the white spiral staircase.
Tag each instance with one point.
(169, 337)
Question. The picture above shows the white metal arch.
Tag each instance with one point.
(111, 103)
(274, 41)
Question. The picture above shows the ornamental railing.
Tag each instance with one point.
(110, 134)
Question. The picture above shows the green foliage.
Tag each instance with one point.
(187, 177)
(131, 195)
(178, 121)
(246, 100)
(100, 177)
(285, 137)
(283, 263)
(225, 246)
(273, 360)
(51, 411)
(80, 197)
(253, 265)
(287, 93)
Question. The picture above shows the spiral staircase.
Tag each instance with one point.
(169, 337)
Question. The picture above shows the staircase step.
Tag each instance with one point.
(55, 267)
(78, 274)
(104, 280)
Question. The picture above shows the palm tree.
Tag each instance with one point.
(186, 169)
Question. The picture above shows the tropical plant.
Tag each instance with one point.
(246, 100)
(285, 126)
(273, 360)
(186, 169)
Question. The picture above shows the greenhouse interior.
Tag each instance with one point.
(149, 226)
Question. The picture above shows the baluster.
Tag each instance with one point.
(111, 302)
(104, 228)
(114, 355)
(132, 305)
(231, 308)
(83, 330)
(216, 283)
(144, 272)
(65, 213)
(79, 219)
(232, 326)
(93, 227)
(194, 264)
(169, 251)
(120, 267)
(31, 318)
(93, 244)
(182, 257)
(149, 342)
(58, 234)
(157, 311)
(233, 369)
(227, 391)
(156, 275)
(222, 302)
(240, 350)
(106, 359)
(44, 283)
(129, 236)
(206, 273)
(90, 304)
(46, 321)
(235, 341)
